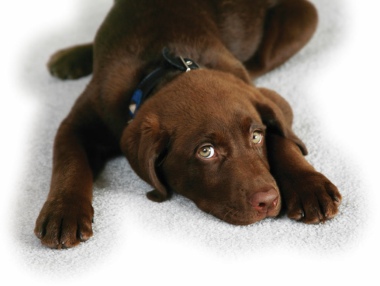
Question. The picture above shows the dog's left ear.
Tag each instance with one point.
(277, 115)
(144, 144)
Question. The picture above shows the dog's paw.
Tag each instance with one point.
(63, 223)
(71, 63)
(311, 198)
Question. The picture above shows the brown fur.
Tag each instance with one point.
(215, 107)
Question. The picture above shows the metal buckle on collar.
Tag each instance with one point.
(180, 63)
(187, 64)
(145, 87)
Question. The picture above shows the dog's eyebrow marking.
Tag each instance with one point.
(248, 124)
(258, 126)
(214, 138)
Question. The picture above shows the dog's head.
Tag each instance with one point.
(203, 136)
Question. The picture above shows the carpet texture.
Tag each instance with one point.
(127, 223)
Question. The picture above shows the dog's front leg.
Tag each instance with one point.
(307, 194)
(66, 217)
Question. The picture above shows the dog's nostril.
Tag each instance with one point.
(263, 201)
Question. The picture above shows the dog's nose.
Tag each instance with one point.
(265, 200)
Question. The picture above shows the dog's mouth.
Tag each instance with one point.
(241, 215)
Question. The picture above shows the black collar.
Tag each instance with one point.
(146, 86)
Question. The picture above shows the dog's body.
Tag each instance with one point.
(207, 134)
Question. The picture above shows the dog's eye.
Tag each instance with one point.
(206, 152)
(257, 137)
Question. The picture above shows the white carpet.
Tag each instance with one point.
(138, 242)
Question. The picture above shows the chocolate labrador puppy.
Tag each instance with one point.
(172, 91)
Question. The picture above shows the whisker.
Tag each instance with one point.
(227, 213)
(216, 207)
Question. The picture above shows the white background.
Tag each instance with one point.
(353, 75)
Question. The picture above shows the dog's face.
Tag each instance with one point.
(203, 136)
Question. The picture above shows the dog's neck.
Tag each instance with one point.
(169, 65)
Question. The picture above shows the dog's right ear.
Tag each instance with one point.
(277, 115)
(144, 143)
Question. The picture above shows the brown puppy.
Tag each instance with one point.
(207, 134)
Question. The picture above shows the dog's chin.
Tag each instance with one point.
(238, 216)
